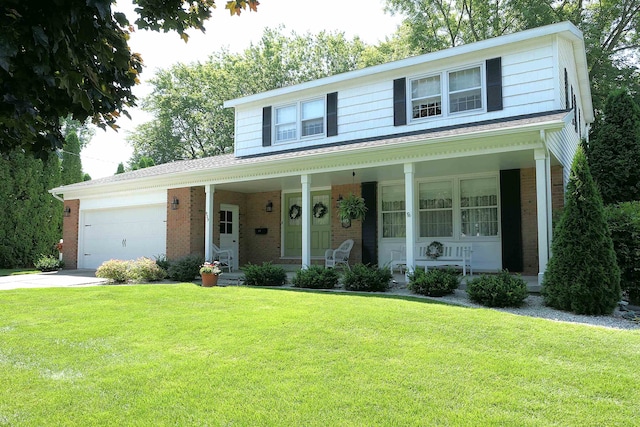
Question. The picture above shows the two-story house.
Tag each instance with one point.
(469, 144)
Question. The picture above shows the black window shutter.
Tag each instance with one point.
(566, 89)
(332, 114)
(399, 102)
(511, 216)
(494, 84)
(266, 126)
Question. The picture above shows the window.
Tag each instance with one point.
(426, 98)
(286, 123)
(436, 209)
(479, 207)
(465, 90)
(393, 211)
(312, 117)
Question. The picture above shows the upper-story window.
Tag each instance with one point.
(426, 97)
(465, 90)
(305, 119)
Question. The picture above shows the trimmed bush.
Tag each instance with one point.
(582, 275)
(366, 278)
(624, 222)
(316, 277)
(163, 262)
(435, 282)
(501, 290)
(48, 263)
(266, 274)
(115, 270)
(185, 269)
(145, 270)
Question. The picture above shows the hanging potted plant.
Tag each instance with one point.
(351, 207)
(209, 271)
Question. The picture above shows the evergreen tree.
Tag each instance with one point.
(71, 163)
(120, 168)
(582, 275)
(614, 150)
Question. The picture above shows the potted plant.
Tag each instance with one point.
(351, 207)
(209, 271)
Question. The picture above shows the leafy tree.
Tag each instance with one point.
(614, 150)
(624, 222)
(60, 58)
(609, 27)
(82, 130)
(190, 120)
(71, 163)
(143, 162)
(582, 274)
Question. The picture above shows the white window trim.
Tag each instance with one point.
(299, 137)
(444, 94)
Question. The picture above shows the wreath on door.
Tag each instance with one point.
(319, 210)
(295, 211)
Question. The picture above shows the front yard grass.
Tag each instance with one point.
(185, 355)
(16, 271)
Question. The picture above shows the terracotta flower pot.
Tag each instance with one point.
(209, 280)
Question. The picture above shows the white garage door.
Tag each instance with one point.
(122, 233)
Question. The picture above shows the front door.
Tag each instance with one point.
(320, 223)
(229, 219)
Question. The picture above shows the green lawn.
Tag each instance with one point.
(235, 356)
(16, 271)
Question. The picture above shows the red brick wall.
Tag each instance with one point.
(529, 213)
(263, 247)
(70, 234)
(185, 225)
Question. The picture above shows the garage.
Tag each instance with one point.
(121, 233)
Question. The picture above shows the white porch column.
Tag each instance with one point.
(208, 221)
(542, 210)
(306, 220)
(409, 203)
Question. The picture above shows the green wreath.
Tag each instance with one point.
(319, 210)
(295, 211)
(435, 250)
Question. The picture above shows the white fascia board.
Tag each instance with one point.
(565, 29)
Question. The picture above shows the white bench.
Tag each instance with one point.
(458, 254)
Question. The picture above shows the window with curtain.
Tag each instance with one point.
(465, 90)
(285, 123)
(426, 97)
(436, 209)
(393, 211)
(479, 207)
(312, 117)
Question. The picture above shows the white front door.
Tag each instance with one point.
(229, 220)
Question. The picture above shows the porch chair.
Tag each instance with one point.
(225, 256)
(333, 257)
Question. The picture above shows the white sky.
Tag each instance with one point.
(159, 50)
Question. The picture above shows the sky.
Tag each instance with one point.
(101, 156)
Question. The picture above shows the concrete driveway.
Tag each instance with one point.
(55, 279)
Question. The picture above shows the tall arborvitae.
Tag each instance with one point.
(582, 275)
(614, 150)
(71, 163)
(120, 168)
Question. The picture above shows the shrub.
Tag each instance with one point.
(185, 269)
(162, 262)
(145, 270)
(48, 263)
(501, 290)
(266, 274)
(624, 222)
(434, 282)
(367, 278)
(115, 270)
(582, 275)
(316, 277)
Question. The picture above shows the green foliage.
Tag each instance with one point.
(120, 168)
(30, 218)
(624, 222)
(71, 163)
(614, 150)
(434, 282)
(185, 269)
(501, 290)
(48, 263)
(266, 274)
(142, 162)
(316, 277)
(582, 274)
(115, 270)
(367, 278)
(145, 270)
(162, 261)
